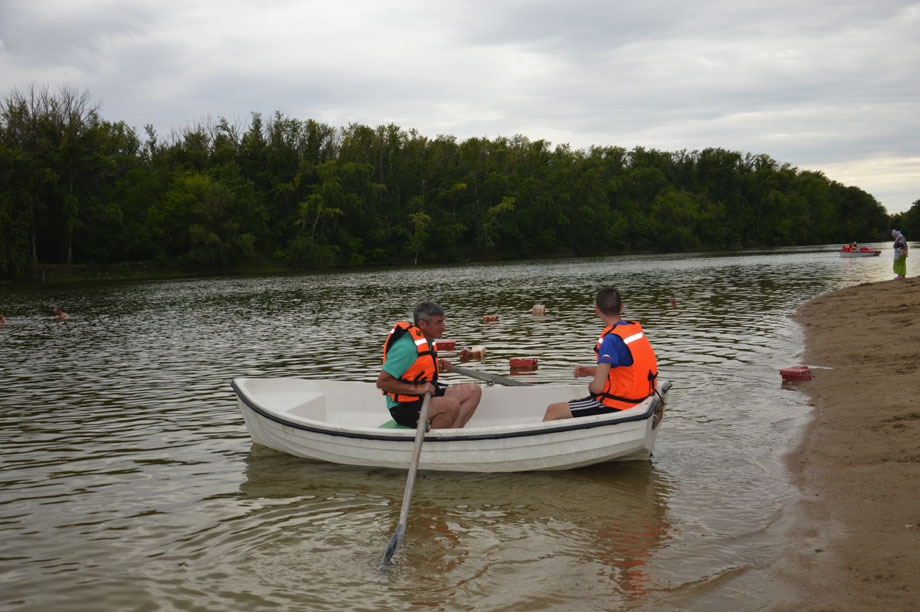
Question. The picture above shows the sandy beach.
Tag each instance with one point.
(858, 464)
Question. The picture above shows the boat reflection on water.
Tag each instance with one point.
(597, 526)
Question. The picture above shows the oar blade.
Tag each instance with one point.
(395, 540)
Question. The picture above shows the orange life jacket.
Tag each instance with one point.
(425, 368)
(627, 386)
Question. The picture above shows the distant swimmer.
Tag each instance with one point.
(59, 314)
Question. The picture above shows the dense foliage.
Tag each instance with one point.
(75, 188)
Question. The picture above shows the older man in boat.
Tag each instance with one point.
(410, 370)
(626, 370)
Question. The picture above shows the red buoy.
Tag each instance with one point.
(489, 318)
(529, 363)
(445, 345)
(797, 373)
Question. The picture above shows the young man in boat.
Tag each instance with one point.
(410, 369)
(626, 369)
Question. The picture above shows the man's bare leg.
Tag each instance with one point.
(555, 412)
(468, 395)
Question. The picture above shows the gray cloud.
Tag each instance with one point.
(820, 85)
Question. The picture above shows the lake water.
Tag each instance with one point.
(128, 480)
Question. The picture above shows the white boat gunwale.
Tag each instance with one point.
(409, 434)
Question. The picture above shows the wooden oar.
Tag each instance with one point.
(489, 378)
(397, 537)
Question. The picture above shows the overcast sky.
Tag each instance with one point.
(819, 84)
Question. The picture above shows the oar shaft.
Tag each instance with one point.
(416, 454)
(397, 536)
(490, 378)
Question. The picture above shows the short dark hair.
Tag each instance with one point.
(426, 310)
(608, 301)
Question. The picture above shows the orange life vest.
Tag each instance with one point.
(425, 368)
(627, 386)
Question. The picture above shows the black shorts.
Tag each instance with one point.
(406, 413)
(588, 406)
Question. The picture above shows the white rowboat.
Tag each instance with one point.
(340, 422)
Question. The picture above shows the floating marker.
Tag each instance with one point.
(798, 373)
(477, 352)
(445, 345)
(489, 318)
(521, 363)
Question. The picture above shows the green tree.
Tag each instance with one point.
(215, 236)
(48, 139)
(419, 222)
(76, 188)
(490, 225)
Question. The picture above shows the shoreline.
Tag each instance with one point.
(856, 524)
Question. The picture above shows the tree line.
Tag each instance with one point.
(214, 196)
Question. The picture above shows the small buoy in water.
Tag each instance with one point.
(539, 310)
(489, 318)
(520, 363)
(673, 302)
(465, 354)
(478, 352)
(445, 345)
(797, 373)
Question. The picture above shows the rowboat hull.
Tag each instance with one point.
(866, 253)
(338, 422)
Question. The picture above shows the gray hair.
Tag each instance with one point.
(426, 310)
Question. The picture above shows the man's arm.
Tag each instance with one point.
(600, 378)
(386, 382)
(613, 353)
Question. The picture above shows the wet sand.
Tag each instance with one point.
(858, 464)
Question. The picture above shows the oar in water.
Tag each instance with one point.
(489, 378)
(397, 537)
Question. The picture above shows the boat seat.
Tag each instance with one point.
(310, 405)
(391, 424)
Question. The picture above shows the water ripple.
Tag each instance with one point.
(128, 480)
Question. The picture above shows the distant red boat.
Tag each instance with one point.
(860, 252)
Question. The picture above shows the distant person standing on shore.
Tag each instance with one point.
(60, 315)
(900, 253)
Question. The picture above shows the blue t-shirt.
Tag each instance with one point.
(614, 351)
(400, 357)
